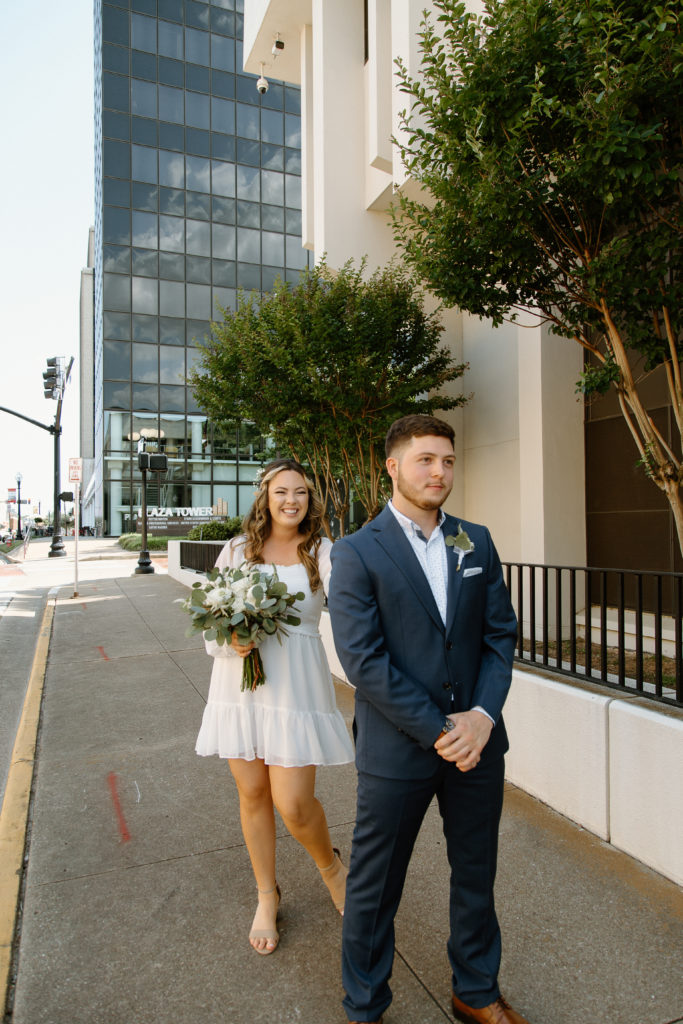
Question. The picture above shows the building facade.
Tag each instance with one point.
(198, 195)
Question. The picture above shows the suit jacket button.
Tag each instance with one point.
(446, 686)
(449, 646)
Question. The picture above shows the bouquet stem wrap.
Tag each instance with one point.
(252, 671)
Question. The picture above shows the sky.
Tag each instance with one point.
(47, 190)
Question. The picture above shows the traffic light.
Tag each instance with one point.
(53, 378)
(155, 463)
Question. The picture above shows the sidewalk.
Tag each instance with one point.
(139, 894)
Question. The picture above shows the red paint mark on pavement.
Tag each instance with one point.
(101, 650)
(10, 570)
(113, 789)
(84, 606)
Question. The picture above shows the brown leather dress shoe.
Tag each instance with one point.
(499, 1012)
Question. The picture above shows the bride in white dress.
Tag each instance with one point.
(275, 736)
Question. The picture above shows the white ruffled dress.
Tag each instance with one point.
(292, 719)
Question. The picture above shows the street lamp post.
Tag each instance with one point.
(19, 478)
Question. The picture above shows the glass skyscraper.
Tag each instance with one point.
(198, 194)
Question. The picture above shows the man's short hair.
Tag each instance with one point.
(402, 431)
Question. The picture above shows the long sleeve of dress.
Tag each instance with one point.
(230, 557)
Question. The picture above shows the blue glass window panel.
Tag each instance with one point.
(273, 187)
(269, 277)
(144, 6)
(248, 183)
(115, 192)
(145, 398)
(172, 234)
(197, 174)
(222, 53)
(273, 248)
(222, 115)
(245, 85)
(222, 21)
(293, 131)
(171, 72)
(145, 197)
(272, 218)
(293, 222)
(171, 169)
(145, 229)
(223, 210)
(197, 142)
(172, 10)
(198, 206)
(223, 241)
(223, 273)
(144, 65)
(172, 136)
(199, 301)
(225, 298)
(248, 246)
(248, 276)
(116, 360)
(115, 91)
(145, 264)
(116, 226)
(116, 291)
(292, 100)
(293, 191)
(172, 201)
(171, 332)
(272, 157)
(144, 131)
(143, 97)
(272, 127)
(197, 78)
(145, 364)
(198, 237)
(172, 266)
(248, 152)
(143, 33)
(196, 14)
(223, 178)
(115, 58)
(239, 51)
(170, 40)
(116, 396)
(144, 162)
(223, 147)
(226, 5)
(196, 46)
(114, 26)
(116, 126)
(172, 399)
(223, 85)
(116, 326)
(198, 270)
(196, 331)
(274, 98)
(171, 104)
(293, 161)
(197, 110)
(145, 298)
(247, 121)
(295, 254)
(116, 259)
(248, 214)
(172, 298)
(145, 328)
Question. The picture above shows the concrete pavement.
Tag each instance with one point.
(138, 892)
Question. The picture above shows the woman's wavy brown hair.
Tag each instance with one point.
(257, 523)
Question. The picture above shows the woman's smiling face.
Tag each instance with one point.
(287, 498)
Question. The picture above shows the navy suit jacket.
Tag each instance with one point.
(403, 661)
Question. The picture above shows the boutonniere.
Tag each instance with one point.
(461, 544)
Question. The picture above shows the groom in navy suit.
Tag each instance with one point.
(424, 628)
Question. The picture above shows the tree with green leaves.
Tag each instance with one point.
(547, 135)
(324, 366)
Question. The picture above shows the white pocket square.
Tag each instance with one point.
(473, 572)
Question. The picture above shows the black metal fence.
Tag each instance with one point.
(200, 556)
(601, 625)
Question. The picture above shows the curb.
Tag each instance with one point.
(16, 804)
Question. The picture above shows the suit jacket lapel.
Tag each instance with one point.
(397, 546)
(455, 578)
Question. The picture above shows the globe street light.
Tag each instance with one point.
(19, 478)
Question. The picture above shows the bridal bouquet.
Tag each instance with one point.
(247, 602)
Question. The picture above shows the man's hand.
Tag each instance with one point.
(465, 743)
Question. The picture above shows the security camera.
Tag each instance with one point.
(262, 85)
(278, 47)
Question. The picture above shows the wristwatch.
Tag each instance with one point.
(448, 726)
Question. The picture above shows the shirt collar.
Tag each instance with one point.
(410, 526)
